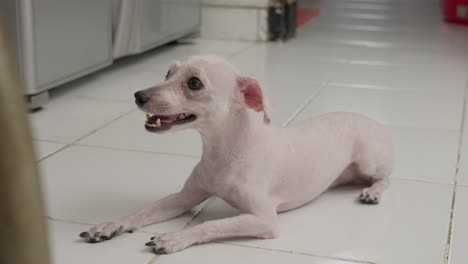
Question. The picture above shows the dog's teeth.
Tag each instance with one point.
(158, 122)
(148, 116)
(182, 116)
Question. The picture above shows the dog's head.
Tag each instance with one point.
(198, 91)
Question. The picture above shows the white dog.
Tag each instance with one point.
(255, 167)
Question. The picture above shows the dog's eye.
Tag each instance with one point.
(194, 84)
(168, 74)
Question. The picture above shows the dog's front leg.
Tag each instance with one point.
(162, 210)
(244, 225)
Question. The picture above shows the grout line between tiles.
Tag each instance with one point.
(86, 135)
(50, 154)
(448, 243)
(67, 221)
(153, 259)
(323, 86)
(422, 181)
(305, 104)
(297, 253)
(137, 151)
(107, 100)
(49, 141)
(233, 54)
(103, 126)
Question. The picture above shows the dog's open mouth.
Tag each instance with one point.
(164, 122)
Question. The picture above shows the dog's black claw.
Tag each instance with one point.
(369, 200)
(160, 251)
(84, 234)
(361, 195)
(130, 231)
(152, 238)
(150, 244)
(93, 240)
(105, 237)
(113, 234)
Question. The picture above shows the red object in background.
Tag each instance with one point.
(456, 11)
(305, 15)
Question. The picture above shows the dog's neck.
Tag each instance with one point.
(232, 136)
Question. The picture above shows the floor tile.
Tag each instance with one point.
(287, 89)
(413, 23)
(286, 104)
(425, 154)
(463, 170)
(426, 60)
(129, 133)
(91, 186)
(394, 77)
(390, 107)
(66, 119)
(463, 163)
(67, 248)
(117, 84)
(44, 148)
(459, 254)
(231, 254)
(369, 233)
(266, 63)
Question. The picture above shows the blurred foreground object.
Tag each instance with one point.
(456, 11)
(22, 227)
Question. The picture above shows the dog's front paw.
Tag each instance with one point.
(105, 232)
(167, 244)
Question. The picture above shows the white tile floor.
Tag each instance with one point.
(394, 60)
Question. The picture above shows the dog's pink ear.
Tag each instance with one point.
(254, 98)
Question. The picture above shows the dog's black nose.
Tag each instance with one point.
(141, 98)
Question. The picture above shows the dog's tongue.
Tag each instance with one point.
(168, 119)
(164, 119)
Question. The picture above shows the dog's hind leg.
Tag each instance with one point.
(377, 175)
(375, 171)
(373, 194)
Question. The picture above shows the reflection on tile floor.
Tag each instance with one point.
(394, 60)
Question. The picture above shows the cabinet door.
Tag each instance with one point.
(180, 15)
(71, 37)
(162, 19)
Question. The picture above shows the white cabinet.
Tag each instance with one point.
(60, 40)
(71, 38)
